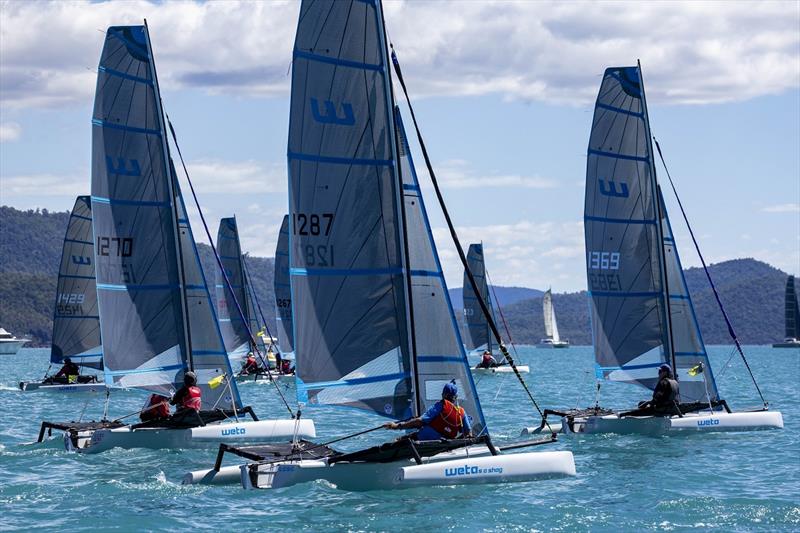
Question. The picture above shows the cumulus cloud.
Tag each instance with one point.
(236, 177)
(692, 52)
(9, 131)
(457, 174)
(69, 185)
(782, 208)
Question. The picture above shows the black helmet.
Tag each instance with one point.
(190, 378)
(67, 359)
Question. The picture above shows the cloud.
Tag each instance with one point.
(236, 177)
(69, 185)
(782, 208)
(692, 52)
(9, 131)
(456, 174)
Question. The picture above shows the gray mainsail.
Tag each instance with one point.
(156, 315)
(76, 323)
(234, 332)
(477, 326)
(362, 261)
(792, 313)
(623, 237)
(283, 292)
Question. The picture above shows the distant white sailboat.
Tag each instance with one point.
(551, 339)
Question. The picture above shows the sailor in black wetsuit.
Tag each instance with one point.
(666, 397)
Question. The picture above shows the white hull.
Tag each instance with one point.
(503, 369)
(474, 465)
(62, 387)
(559, 344)
(262, 378)
(702, 422)
(11, 347)
(208, 436)
(787, 344)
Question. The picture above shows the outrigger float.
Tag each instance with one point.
(373, 322)
(156, 315)
(641, 309)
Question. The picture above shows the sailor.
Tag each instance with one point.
(188, 399)
(157, 408)
(69, 371)
(286, 367)
(666, 396)
(443, 420)
(487, 361)
(250, 364)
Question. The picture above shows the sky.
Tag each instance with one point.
(504, 93)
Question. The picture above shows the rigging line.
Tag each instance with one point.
(500, 310)
(222, 269)
(731, 332)
(457, 243)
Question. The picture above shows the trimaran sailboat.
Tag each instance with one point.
(791, 317)
(76, 324)
(479, 334)
(551, 337)
(641, 310)
(374, 326)
(156, 315)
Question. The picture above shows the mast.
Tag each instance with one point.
(662, 260)
(173, 190)
(412, 338)
(488, 300)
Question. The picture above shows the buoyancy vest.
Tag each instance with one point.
(250, 364)
(192, 399)
(449, 421)
(162, 411)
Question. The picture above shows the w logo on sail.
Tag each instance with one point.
(122, 168)
(611, 189)
(331, 116)
(81, 260)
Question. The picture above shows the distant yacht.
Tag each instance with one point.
(792, 318)
(551, 340)
(9, 344)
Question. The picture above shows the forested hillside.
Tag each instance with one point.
(30, 248)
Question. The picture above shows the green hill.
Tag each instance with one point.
(30, 248)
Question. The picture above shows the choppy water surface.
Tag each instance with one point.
(724, 482)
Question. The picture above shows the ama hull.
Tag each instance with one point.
(480, 467)
(658, 425)
(504, 369)
(52, 387)
(211, 435)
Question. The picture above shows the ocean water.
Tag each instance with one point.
(717, 482)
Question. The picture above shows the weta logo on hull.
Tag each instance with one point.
(708, 422)
(122, 169)
(331, 116)
(610, 189)
(467, 470)
(233, 431)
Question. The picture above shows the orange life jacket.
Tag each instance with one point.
(162, 411)
(450, 420)
(192, 399)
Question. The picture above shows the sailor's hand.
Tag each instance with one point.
(391, 425)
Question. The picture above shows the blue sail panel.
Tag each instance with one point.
(283, 293)
(622, 244)
(76, 321)
(478, 333)
(440, 351)
(347, 282)
(234, 332)
(135, 256)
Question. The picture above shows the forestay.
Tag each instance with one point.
(477, 325)
(623, 247)
(234, 331)
(76, 323)
(283, 292)
(150, 286)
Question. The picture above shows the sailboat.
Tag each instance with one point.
(641, 310)
(283, 292)
(479, 334)
(373, 322)
(157, 320)
(792, 318)
(76, 324)
(551, 339)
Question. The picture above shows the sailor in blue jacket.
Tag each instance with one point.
(443, 420)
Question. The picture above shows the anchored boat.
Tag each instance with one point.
(479, 334)
(641, 310)
(552, 338)
(373, 322)
(792, 318)
(10, 344)
(76, 324)
(156, 315)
